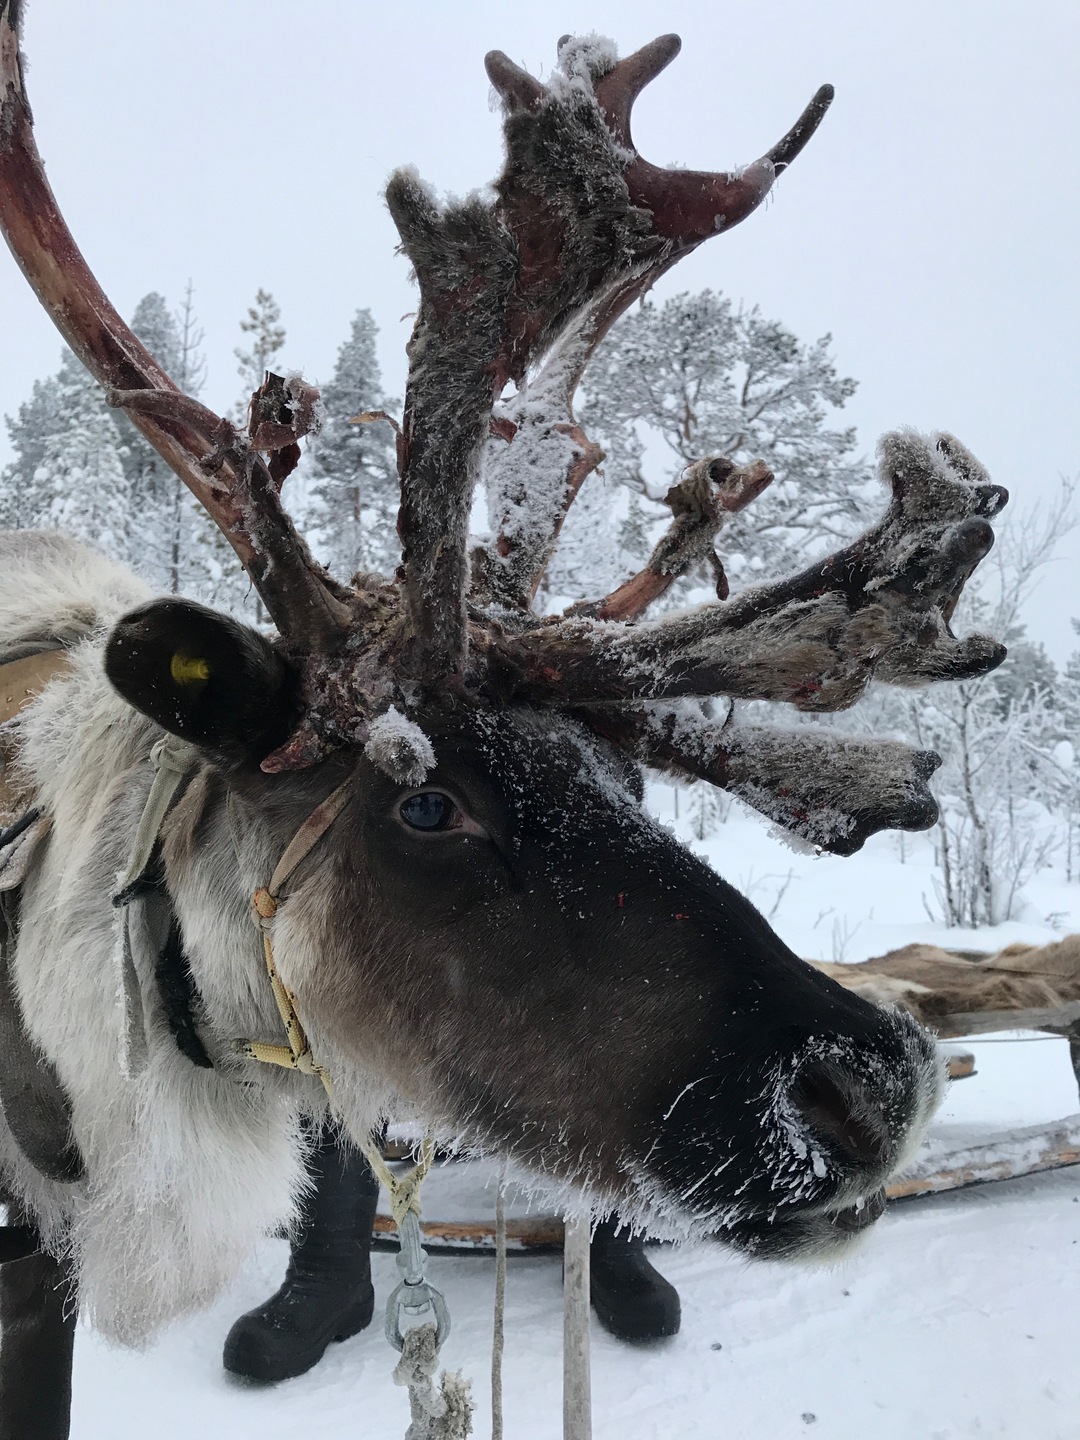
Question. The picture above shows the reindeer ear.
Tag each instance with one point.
(207, 678)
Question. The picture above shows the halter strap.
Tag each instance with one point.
(297, 1054)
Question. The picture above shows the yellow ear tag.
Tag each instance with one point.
(188, 669)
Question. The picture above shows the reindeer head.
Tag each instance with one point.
(492, 925)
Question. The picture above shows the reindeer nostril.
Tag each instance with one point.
(838, 1107)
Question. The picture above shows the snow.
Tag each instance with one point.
(958, 1317)
(398, 746)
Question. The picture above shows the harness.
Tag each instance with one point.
(413, 1297)
(417, 1318)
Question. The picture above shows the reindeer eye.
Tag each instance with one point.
(430, 810)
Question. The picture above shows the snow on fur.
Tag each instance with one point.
(400, 748)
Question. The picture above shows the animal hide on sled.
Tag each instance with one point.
(933, 983)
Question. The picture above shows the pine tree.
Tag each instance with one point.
(178, 549)
(351, 468)
(23, 503)
(704, 811)
(80, 483)
(263, 324)
(153, 485)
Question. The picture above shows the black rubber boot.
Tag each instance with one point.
(632, 1300)
(327, 1293)
(37, 1332)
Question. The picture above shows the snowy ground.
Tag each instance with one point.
(959, 1318)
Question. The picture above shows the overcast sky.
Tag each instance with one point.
(932, 225)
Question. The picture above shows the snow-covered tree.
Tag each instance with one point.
(998, 786)
(698, 376)
(84, 467)
(68, 469)
(1067, 754)
(157, 517)
(80, 484)
(23, 501)
(267, 338)
(1006, 784)
(179, 549)
(705, 809)
(352, 468)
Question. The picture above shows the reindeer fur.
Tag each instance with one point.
(185, 1168)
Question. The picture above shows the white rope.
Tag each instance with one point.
(577, 1398)
(443, 1414)
(498, 1339)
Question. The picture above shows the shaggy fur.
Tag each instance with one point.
(186, 1168)
(933, 983)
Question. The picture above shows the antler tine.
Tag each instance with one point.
(519, 90)
(833, 791)
(690, 205)
(241, 496)
(663, 214)
(710, 490)
(785, 151)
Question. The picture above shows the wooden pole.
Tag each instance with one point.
(577, 1399)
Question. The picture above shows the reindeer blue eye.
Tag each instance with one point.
(430, 810)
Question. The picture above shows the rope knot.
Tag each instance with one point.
(264, 903)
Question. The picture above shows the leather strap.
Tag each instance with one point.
(20, 682)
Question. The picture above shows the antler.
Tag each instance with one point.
(878, 608)
(222, 467)
(832, 791)
(581, 226)
(709, 491)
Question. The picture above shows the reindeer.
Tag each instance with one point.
(478, 919)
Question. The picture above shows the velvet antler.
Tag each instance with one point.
(221, 466)
(831, 791)
(519, 291)
(580, 227)
(880, 608)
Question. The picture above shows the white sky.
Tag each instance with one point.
(932, 225)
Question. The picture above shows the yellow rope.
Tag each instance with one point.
(403, 1190)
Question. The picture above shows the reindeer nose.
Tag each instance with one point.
(837, 1104)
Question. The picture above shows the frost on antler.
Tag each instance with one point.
(877, 609)
(709, 491)
(831, 791)
(580, 226)
(880, 608)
